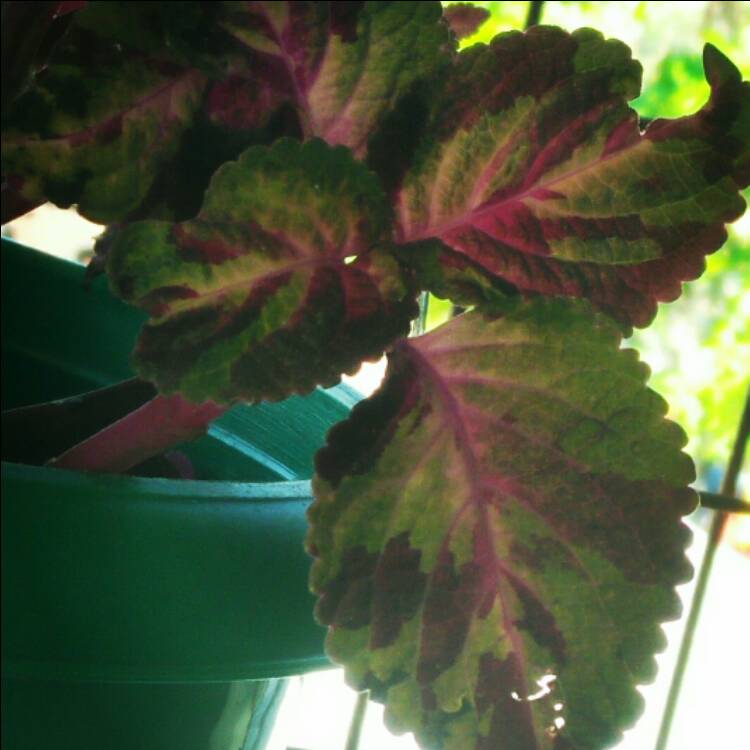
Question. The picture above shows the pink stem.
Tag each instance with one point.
(158, 425)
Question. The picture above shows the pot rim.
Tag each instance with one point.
(175, 490)
(137, 579)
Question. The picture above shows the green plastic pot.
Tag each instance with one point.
(146, 614)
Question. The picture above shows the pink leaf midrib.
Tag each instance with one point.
(528, 191)
(465, 447)
(250, 283)
(453, 411)
(306, 120)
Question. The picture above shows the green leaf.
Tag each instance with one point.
(342, 66)
(497, 532)
(109, 112)
(532, 170)
(278, 285)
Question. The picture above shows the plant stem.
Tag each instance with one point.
(534, 16)
(714, 537)
(159, 424)
(358, 718)
(35, 434)
(724, 503)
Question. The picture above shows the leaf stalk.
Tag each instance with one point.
(160, 424)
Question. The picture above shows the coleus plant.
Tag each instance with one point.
(496, 532)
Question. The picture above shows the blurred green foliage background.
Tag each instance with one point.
(698, 346)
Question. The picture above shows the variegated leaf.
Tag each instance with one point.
(497, 532)
(533, 170)
(109, 111)
(342, 66)
(278, 285)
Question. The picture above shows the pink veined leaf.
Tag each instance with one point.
(279, 284)
(497, 535)
(106, 115)
(143, 102)
(342, 66)
(533, 171)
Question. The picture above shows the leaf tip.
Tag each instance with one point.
(720, 70)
